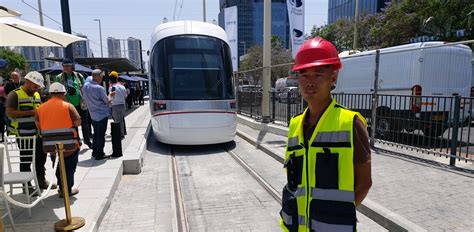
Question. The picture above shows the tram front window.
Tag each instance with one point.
(192, 68)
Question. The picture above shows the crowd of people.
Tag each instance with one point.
(54, 115)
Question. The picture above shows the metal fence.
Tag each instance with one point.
(392, 87)
(440, 126)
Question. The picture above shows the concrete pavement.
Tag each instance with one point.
(96, 181)
(406, 193)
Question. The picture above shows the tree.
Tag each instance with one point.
(15, 60)
(400, 21)
(254, 60)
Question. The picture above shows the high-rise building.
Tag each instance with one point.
(134, 51)
(35, 55)
(113, 47)
(81, 48)
(345, 9)
(250, 22)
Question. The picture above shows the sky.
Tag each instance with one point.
(134, 18)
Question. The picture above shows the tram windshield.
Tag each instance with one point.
(191, 67)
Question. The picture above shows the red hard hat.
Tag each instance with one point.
(316, 52)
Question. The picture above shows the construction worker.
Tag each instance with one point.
(57, 120)
(21, 105)
(327, 157)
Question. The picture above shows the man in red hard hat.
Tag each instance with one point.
(327, 157)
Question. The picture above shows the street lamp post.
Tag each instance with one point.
(100, 34)
(356, 17)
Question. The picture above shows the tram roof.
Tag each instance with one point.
(187, 27)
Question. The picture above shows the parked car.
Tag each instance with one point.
(293, 93)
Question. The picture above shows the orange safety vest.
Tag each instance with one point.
(56, 126)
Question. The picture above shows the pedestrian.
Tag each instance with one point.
(98, 105)
(21, 107)
(118, 101)
(327, 157)
(141, 97)
(131, 96)
(14, 82)
(73, 81)
(58, 121)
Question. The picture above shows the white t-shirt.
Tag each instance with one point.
(120, 94)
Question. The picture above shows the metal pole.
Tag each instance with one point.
(204, 10)
(70, 223)
(67, 26)
(141, 56)
(267, 32)
(100, 35)
(45, 49)
(373, 120)
(454, 139)
(356, 17)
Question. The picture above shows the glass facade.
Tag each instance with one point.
(345, 9)
(250, 22)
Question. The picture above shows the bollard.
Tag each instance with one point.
(116, 139)
(70, 223)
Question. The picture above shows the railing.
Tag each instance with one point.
(432, 125)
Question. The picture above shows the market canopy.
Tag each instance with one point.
(58, 68)
(17, 32)
(132, 78)
(109, 64)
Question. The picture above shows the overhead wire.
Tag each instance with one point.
(180, 9)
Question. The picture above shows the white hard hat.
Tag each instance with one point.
(36, 78)
(57, 87)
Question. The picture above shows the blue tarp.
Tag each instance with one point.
(58, 68)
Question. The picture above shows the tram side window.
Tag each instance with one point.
(157, 72)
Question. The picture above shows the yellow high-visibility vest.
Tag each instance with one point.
(25, 126)
(319, 195)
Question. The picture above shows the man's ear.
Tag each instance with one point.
(334, 77)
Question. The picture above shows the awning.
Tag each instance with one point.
(109, 64)
(57, 69)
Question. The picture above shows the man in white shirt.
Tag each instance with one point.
(118, 101)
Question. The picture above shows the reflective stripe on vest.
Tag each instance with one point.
(287, 219)
(332, 195)
(61, 131)
(65, 142)
(332, 139)
(293, 144)
(23, 120)
(321, 226)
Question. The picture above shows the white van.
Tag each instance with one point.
(412, 70)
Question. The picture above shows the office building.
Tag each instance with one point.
(134, 51)
(250, 22)
(345, 9)
(81, 48)
(113, 47)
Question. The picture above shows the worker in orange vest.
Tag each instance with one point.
(56, 120)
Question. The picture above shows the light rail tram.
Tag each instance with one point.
(192, 93)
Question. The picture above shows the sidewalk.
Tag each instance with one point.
(406, 194)
(96, 181)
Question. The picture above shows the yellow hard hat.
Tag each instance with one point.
(114, 74)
